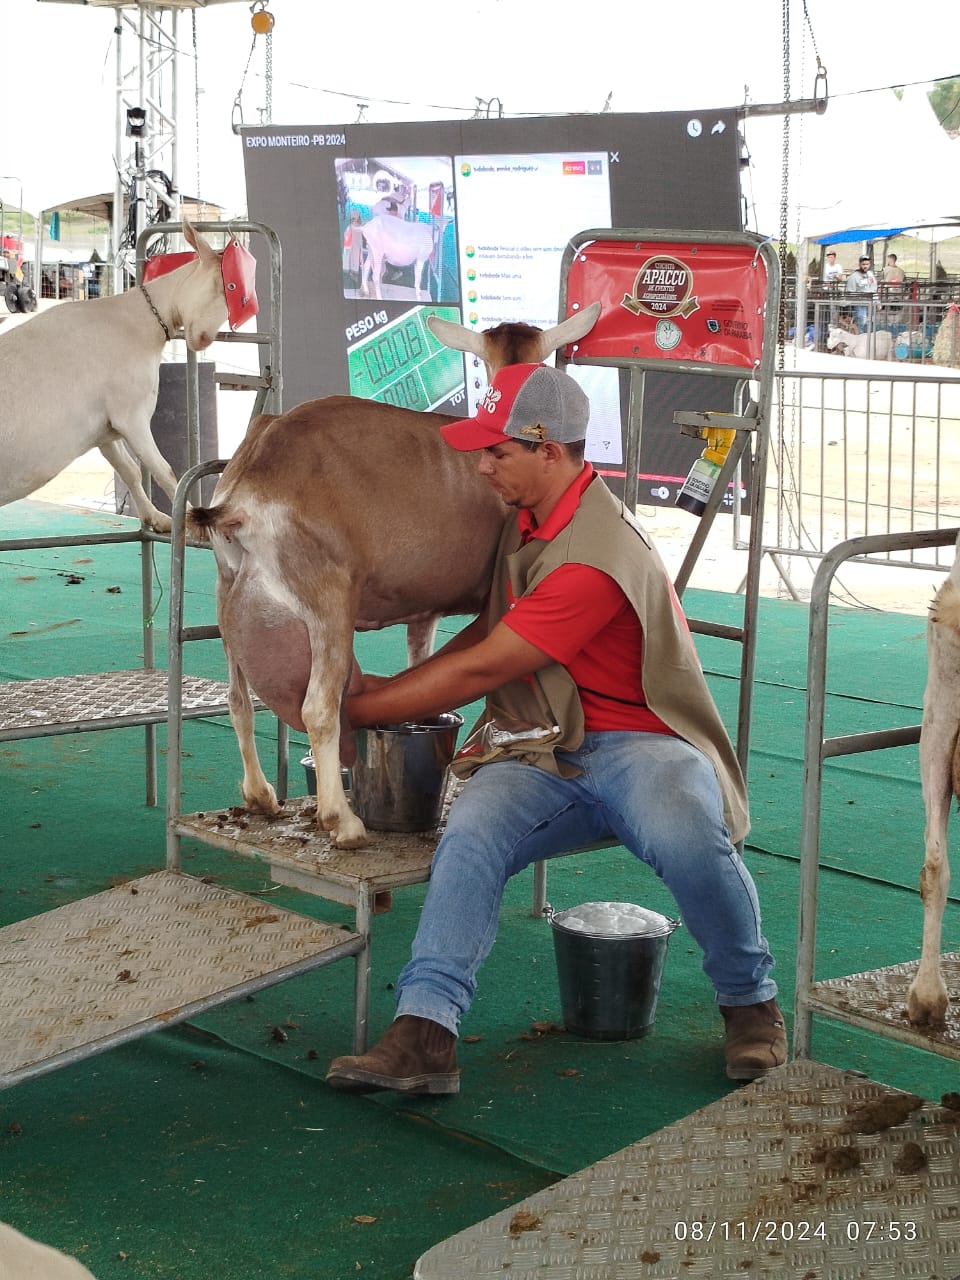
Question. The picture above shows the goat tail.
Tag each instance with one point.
(202, 521)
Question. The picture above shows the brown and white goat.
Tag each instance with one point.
(85, 376)
(927, 998)
(345, 514)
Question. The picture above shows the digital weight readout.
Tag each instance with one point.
(403, 364)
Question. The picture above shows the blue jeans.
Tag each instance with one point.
(656, 795)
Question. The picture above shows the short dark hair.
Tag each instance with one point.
(575, 449)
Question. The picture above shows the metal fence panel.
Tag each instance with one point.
(854, 454)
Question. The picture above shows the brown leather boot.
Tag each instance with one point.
(756, 1039)
(414, 1056)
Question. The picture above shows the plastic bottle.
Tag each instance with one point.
(699, 484)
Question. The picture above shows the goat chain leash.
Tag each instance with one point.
(160, 320)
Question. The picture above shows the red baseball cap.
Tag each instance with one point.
(524, 402)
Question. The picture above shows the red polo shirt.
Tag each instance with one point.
(582, 619)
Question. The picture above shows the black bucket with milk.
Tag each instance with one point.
(610, 958)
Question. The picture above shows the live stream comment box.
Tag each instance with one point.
(515, 216)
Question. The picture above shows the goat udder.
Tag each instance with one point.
(273, 651)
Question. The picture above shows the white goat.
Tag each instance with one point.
(391, 239)
(24, 1259)
(84, 375)
(865, 346)
(927, 998)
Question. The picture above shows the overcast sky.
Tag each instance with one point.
(866, 158)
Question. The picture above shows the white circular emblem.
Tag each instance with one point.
(694, 128)
(667, 335)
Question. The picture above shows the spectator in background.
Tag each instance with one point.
(892, 280)
(832, 270)
(833, 278)
(91, 281)
(891, 273)
(861, 283)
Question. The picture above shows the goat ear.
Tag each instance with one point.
(196, 241)
(456, 336)
(568, 330)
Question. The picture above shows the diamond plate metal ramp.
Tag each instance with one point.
(104, 700)
(786, 1177)
(149, 953)
(877, 1001)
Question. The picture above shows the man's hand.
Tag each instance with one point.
(449, 679)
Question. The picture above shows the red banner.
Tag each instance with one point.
(671, 300)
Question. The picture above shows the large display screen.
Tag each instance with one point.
(382, 225)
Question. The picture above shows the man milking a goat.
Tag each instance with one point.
(598, 726)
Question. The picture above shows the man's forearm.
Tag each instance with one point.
(441, 683)
(451, 678)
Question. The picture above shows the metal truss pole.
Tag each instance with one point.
(147, 165)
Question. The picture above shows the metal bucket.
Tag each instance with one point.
(310, 770)
(610, 958)
(398, 775)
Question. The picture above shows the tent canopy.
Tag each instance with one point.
(858, 234)
(194, 209)
(852, 235)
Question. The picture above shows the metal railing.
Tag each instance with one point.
(860, 454)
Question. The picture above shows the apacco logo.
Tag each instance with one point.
(663, 287)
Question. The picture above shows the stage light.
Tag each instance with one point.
(136, 122)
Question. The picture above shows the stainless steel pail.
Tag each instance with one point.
(398, 775)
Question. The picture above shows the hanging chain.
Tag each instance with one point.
(784, 186)
(269, 77)
(238, 100)
(781, 310)
(821, 69)
(196, 97)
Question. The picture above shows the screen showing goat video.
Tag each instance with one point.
(383, 225)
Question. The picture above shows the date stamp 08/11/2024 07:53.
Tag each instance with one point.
(773, 1232)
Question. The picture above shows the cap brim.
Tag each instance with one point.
(469, 434)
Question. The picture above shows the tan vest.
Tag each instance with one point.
(604, 535)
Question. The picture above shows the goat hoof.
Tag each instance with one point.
(350, 842)
(927, 1011)
(262, 802)
(347, 833)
